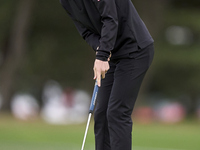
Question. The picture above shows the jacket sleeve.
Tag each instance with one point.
(91, 38)
(109, 18)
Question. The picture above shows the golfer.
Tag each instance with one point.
(124, 51)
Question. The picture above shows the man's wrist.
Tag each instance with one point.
(102, 58)
(102, 55)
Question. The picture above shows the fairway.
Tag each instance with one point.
(37, 135)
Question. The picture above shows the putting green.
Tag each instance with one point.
(37, 135)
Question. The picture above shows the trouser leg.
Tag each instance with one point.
(102, 137)
(116, 99)
(128, 77)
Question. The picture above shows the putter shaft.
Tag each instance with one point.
(92, 105)
(86, 130)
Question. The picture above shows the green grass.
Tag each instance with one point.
(37, 135)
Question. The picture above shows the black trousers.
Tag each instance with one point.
(116, 99)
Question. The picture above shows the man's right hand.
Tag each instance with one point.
(100, 68)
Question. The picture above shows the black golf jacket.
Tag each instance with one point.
(109, 26)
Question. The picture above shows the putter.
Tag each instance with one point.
(92, 104)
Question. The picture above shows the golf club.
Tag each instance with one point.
(92, 104)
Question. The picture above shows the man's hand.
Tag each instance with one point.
(100, 68)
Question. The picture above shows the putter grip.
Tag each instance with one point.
(94, 96)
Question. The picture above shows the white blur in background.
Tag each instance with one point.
(178, 35)
(64, 106)
(70, 106)
(165, 111)
(169, 113)
(60, 107)
(24, 107)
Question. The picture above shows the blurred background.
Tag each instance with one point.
(46, 78)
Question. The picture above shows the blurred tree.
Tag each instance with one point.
(54, 49)
(176, 67)
(15, 50)
(153, 12)
(177, 75)
(186, 3)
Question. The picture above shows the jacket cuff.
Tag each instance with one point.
(102, 55)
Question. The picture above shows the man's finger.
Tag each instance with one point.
(103, 75)
(95, 75)
(98, 78)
